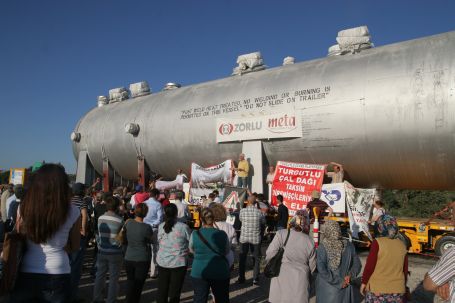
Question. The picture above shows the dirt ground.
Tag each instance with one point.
(249, 293)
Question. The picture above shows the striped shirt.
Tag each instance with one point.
(78, 202)
(444, 271)
(109, 225)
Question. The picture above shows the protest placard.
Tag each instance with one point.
(295, 182)
(359, 202)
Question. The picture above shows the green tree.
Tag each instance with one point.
(415, 203)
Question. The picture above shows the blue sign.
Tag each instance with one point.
(332, 196)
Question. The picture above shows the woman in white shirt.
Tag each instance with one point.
(220, 215)
(51, 225)
(378, 210)
(270, 175)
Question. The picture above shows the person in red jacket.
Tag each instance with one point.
(165, 201)
(140, 196)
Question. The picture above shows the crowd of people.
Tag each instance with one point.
(146, 234)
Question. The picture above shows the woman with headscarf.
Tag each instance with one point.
(386, 269)
(337, 264)
(298, 263)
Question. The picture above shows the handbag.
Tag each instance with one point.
(120, 238)
(14, 246)
(273, 266)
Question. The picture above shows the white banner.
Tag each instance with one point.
(359, 202)
(205, 180)
(334, 195)
(175, 184)
(283, 125)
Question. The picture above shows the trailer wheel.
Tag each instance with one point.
(405, 239)
(444, 243)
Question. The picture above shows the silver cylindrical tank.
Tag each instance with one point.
(387, 114)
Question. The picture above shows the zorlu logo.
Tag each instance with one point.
(226, 128)
(332, 196)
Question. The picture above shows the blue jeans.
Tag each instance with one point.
(76, 261)
(41, 288)
(242, 182)
(220, 289)
(112, 264)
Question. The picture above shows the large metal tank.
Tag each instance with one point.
(386, 113)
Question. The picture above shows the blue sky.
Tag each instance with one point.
(56, 57)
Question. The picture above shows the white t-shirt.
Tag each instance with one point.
(50, 257)
(182, 210)
(378, 212)
(270, 177)
(133, 201)
(336, 177)
(232, 238)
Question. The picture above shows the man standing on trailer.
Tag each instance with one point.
(337, 175)
(242, 170)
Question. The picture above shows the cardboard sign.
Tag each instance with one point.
(334, 195)
(295, 182)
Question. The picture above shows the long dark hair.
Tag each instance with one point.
(170, 217)
(46, 204)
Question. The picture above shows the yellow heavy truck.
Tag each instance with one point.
(420, 235)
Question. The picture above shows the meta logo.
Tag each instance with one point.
(281, 124)
(332, 196)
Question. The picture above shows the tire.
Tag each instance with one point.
(405, 239)
(444, 243)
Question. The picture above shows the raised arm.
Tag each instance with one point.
(337, 164)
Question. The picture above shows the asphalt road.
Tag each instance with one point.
(249, 293)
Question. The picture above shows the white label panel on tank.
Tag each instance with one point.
(279, 125)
